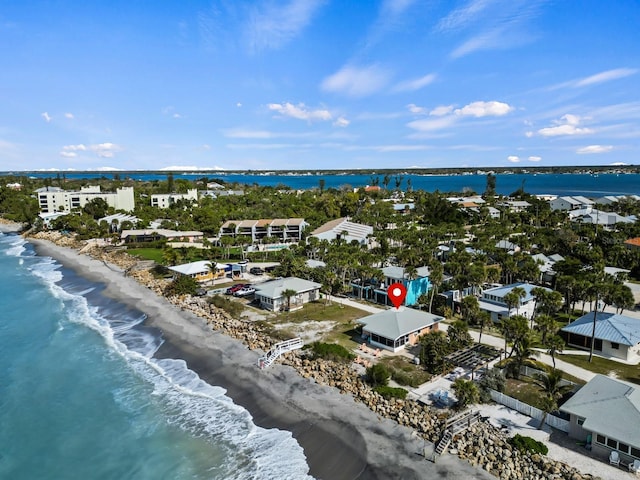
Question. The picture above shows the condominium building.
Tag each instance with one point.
(165, 200)
(56, 200)
(285, 229)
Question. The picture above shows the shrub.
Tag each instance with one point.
(182, 285)
(528, 444)
(391, 392)
(493, 380)
(331, 351)
(378, 375)
(234, 309)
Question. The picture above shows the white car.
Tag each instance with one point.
(243, 292)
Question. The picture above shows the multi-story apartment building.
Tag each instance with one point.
(56, 200)
(165, 200)
(285, 229)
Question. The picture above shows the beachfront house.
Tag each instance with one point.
(606, 412)
(615, 336)
(152, 235)
(203, 271)
(269, 294)
(493, 302)
(416, 283)
(344, 230)
(394, 329)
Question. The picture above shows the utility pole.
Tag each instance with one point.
(593, 330)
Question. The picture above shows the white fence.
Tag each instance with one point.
(529, 410)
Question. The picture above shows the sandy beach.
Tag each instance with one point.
(341, 439)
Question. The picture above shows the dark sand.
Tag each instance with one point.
(341, 439)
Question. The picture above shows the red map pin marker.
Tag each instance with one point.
(396, 293)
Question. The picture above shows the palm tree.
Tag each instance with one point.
(466, 391)
(546, 325)
(483, 319)
(436, 275)
(554, 344)
(287, 294)
(551, 384)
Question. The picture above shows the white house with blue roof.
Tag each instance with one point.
(615, 336)
(492, 301)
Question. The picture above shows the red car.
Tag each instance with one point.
(236, 287)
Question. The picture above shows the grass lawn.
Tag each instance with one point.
(318, 311)
(344, 332)
(154, 254)
(630, 373)
(404, 372)
(524, 390)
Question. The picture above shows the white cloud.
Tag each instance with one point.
(46, 116)
(484, 109)
(567, 125)
(441, 110)
(594, 149)
(341, 122)
(413, 108)
(415, 84)
(492, 24)
(105, 150)
(69, 116)
(67, 154)
(396, 7)
(606, 76)
(74, 148)
(461, 17)
(300, 111)
(431, 124)
(534, 158)
(513, 158)
(357, 81)
(238, 105)
(273, 24)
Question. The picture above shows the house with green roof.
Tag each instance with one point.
(396, 328)
(615, 336)
(607, 412)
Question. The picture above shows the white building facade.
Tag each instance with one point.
(54, 200)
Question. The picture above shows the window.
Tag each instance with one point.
(635, 452)
(581, 420)
(612, 443)
(615, 345)
(623, 448)
(601, 439)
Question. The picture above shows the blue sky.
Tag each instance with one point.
(311, 84)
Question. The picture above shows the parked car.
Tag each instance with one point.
(238, 286)
(256, 271)
(243, 292)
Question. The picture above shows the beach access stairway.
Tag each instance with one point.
(455, 425)
(278, 349)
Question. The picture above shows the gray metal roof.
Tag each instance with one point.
(274, 288)
(610, 407)
(395, 323)
(399, 273)
(609, 326)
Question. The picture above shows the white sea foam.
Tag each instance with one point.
(16, 245)
(188, 401)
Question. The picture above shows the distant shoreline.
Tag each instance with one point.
(477, 170)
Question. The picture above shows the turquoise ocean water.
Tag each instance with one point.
(81, 396)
